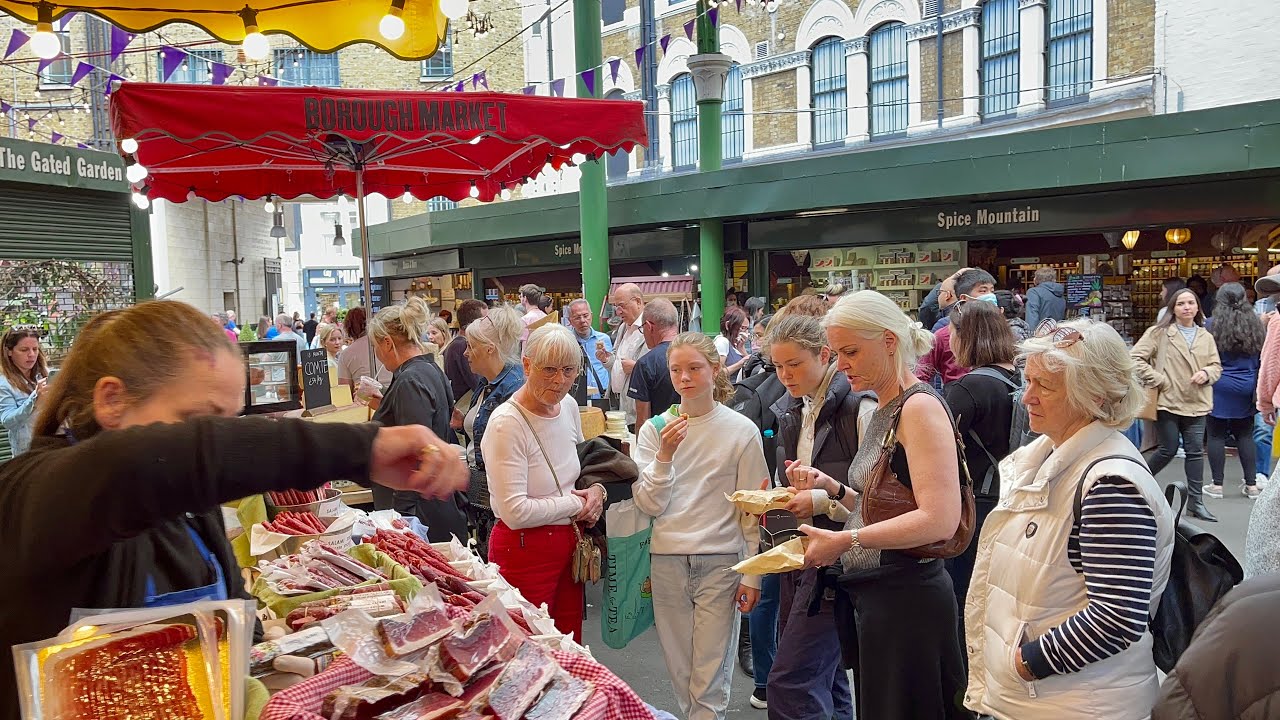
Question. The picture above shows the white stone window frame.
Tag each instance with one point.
(674, 62)
(626, 82)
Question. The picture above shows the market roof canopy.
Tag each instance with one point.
(320, 25)
(256, 141)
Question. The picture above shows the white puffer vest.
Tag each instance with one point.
(1023, 586)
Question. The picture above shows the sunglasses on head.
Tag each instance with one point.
(1061, 337)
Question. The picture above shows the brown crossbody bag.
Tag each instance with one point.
(885, 497)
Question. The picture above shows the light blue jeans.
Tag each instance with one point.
(696, 615)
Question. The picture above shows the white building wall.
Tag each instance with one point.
(1218, 52)
(193, 243)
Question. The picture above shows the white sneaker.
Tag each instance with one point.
(1251, 491)
(1180, 454)
(1213, 490)
(1261, 480)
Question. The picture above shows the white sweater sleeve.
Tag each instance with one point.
(652, 492)
(752, 469)
(509, 453)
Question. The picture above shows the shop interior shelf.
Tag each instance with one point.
(267, 363)
(839, 268)
(899, 266)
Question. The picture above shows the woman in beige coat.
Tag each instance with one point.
(1179, 358)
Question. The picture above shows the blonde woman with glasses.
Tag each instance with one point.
(531, 458)
(1057, 615)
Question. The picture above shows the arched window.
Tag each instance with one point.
(999, 71)
(684, 122)
(1070, 49)
(888, 81)
(617, 164)
(830, 100)
(732, 131)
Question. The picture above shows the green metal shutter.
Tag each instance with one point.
(39, 223)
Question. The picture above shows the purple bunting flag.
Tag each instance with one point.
(640, 56)
(82, 71)
(221, 71)
(45, 63)
(475, 81)
(64, 20)
(55, 138)
(82, 146)
(530, 89)
(31, 124)
(589, 81)
(5, 107)
(739, 5)
(16, 41)
(484, 79)
(688, 32)
(264, 81)
(614, 64)
(714, 16)
(460, 87)
(171, 58)
(120, 40)
(557, 87)
(111, 81)
(664, 42)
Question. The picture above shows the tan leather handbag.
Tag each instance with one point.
(884, 497)
(586, 554)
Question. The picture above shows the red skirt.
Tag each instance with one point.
(539, 563)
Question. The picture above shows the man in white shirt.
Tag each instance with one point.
(530, 297)
(284, 324)
(628, 302)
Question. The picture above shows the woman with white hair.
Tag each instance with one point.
(896, 610)
(493, 353)
(1057, 615)
(531, 455)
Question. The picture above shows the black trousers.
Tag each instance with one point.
(1170, 428)
(899, 633)
(1246, 448)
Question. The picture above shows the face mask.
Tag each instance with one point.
(989, 297)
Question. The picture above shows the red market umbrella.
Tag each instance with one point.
(219, 142)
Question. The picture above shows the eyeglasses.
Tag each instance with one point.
(551, 373)
(1062, 337)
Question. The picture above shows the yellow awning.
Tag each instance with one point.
(319, 25)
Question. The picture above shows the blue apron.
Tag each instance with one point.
(217, 590)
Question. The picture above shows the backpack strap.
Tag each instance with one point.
(996, 374)
(991, 471)
(1077, 505)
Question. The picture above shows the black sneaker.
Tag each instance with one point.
(760, 699)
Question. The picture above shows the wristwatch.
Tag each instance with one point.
(853, 534)
(840, 495)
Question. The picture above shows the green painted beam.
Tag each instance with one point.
(1233, 140)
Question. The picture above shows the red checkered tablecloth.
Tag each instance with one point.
(612, 700)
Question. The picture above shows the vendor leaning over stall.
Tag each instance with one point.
(136, 444)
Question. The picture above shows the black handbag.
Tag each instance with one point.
(478, 489)
(1201, 571)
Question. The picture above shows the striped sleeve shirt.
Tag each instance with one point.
(1114, 546)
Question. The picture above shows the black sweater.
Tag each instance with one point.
(83, 525)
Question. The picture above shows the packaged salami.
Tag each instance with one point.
(183, 661)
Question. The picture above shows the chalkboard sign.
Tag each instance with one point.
(315, 378)
(1084, 291)
(378, 294)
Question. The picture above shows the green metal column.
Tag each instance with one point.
(710, 231)
(592, 199)
(144, 275)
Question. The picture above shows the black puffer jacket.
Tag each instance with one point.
(835, 433)
(1228, 672)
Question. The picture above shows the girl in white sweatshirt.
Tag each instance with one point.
(688, 461)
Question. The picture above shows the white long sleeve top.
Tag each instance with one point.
(722, 453)
(521, 487)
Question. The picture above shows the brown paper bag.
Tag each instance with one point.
(783, 558)
(759, 502)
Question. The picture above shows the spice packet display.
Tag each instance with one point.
(282, 600)
(160, 662)
(782, 558)
(759, 502)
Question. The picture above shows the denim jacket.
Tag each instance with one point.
(17, 415)
(498, 392)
